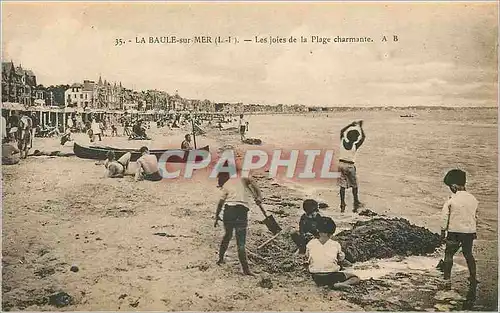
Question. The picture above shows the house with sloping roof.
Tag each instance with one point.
(18, 84)
(89, 92)
(109, 95)
(74, 96)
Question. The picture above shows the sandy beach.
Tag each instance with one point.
(60, 212)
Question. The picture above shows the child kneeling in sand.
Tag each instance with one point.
(308, 225)
(324, 256)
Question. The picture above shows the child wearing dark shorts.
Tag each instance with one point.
(235, 202)
(324, 256)
(459, 217)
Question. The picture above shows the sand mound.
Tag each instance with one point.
(384, 238)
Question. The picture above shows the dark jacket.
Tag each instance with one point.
(309, 225)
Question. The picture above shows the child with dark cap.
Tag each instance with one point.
(459, 217)
(325, 255)
(308, 225)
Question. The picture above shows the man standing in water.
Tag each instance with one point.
(243, 127)
(351, 138)
(235, 201)
(459, 220)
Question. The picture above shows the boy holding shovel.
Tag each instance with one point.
(235, 201)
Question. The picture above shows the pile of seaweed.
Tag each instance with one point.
(278, 256)
(378, 238)
(384, 238)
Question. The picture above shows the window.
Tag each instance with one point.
(85, 96)
(74, 95)
(81, 96)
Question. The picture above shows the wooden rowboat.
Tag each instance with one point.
(100, 153)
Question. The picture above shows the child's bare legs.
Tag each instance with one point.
(357, 203)
(241, 234)
(471, 262)
(125, 160)
(342, 199)
(228, 235)
(450, 250)
(472, 292)
(348, 283)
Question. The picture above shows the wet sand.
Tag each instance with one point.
(59, 212)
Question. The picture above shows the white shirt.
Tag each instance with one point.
(349, 155)
(236, 192)
(459, 213)
(95, 128)
(324, 258)
(242, 122)
(25, 122)
(4, 127)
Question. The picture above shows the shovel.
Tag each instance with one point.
(271, 224)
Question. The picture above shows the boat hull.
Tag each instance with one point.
(100, 153)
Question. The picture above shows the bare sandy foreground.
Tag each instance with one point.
(59, 212)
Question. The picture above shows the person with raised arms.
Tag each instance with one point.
(351, 138)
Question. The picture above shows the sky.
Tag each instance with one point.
(446, 53)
